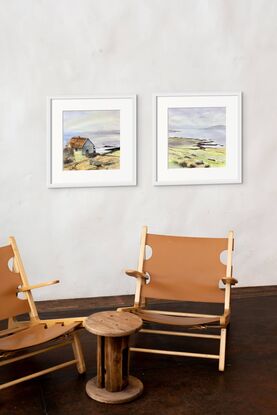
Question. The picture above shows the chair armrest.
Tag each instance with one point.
(32, 287)
(136, 274)
(229, 280)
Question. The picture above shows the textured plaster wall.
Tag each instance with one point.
(86, 237)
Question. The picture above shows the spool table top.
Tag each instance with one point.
(113, 323)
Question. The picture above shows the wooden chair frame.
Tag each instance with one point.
(15, 326)
(223, 320)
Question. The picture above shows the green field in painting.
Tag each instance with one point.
(194, 153)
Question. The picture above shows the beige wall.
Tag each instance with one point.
(86, 237)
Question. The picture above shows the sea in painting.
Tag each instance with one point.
(196, 137)
(91, 140)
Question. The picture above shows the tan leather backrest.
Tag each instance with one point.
(10, 304)
(184, 268)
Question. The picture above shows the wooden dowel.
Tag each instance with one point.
(222, 349)
(139, 281)
(178, 333)
(229, 270)
(176, 313)
(35, 375)
(172, 353)
(25, 356)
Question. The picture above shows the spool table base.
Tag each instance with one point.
(133, 390)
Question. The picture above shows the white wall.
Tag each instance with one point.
(86, 237)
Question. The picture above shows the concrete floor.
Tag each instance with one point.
(172, 385)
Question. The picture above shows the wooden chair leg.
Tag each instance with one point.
(78, 353)
(222, 349)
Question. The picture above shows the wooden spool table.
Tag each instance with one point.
(113, 383)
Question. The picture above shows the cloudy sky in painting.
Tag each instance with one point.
(198, 122)
(101, 126)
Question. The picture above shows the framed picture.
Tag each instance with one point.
(197, 138)
(92, 141)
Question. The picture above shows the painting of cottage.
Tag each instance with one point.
(196, 137)
(82, 145)
(91, 140)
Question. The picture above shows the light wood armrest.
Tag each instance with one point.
(32, 287)
(125, 309)
(136, 274)
(229, 280)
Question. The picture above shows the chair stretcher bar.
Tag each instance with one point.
(34, 353)
(174, 353)
(41, 372)
(179, 333)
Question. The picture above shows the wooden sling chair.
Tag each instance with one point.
(23, 339)
(184, 269)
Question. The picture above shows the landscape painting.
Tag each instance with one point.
(91, 140)
(196, 137)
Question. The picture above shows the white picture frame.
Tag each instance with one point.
(110, 118)
(187, 112)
